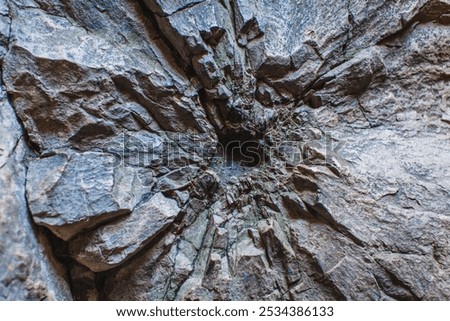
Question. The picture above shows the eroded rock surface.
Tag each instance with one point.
(28, 270)
(225, 150)
(69, 194)
(111, 245)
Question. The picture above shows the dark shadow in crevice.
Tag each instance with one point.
(241, 147)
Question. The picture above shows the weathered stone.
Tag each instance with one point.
(343, 107)
(178, 179)
(96, 75)
(115, 242)
(28, 270)
(72, 193)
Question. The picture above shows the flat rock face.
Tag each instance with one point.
(225, 150)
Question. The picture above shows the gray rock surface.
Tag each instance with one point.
(69, 194)
(110, 245)
(28, 269)
(225, 150)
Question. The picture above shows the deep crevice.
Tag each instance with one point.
(150, 15)
(241, 147)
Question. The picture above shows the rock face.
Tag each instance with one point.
(112, 244)
(225, 150)
(70, 193)
(28, 270)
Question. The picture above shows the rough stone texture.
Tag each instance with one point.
(28, 270)
(69, 194)
(225, 150)
(111, 245)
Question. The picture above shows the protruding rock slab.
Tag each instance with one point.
(27, 268)
(112, 244)
(70, 193)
